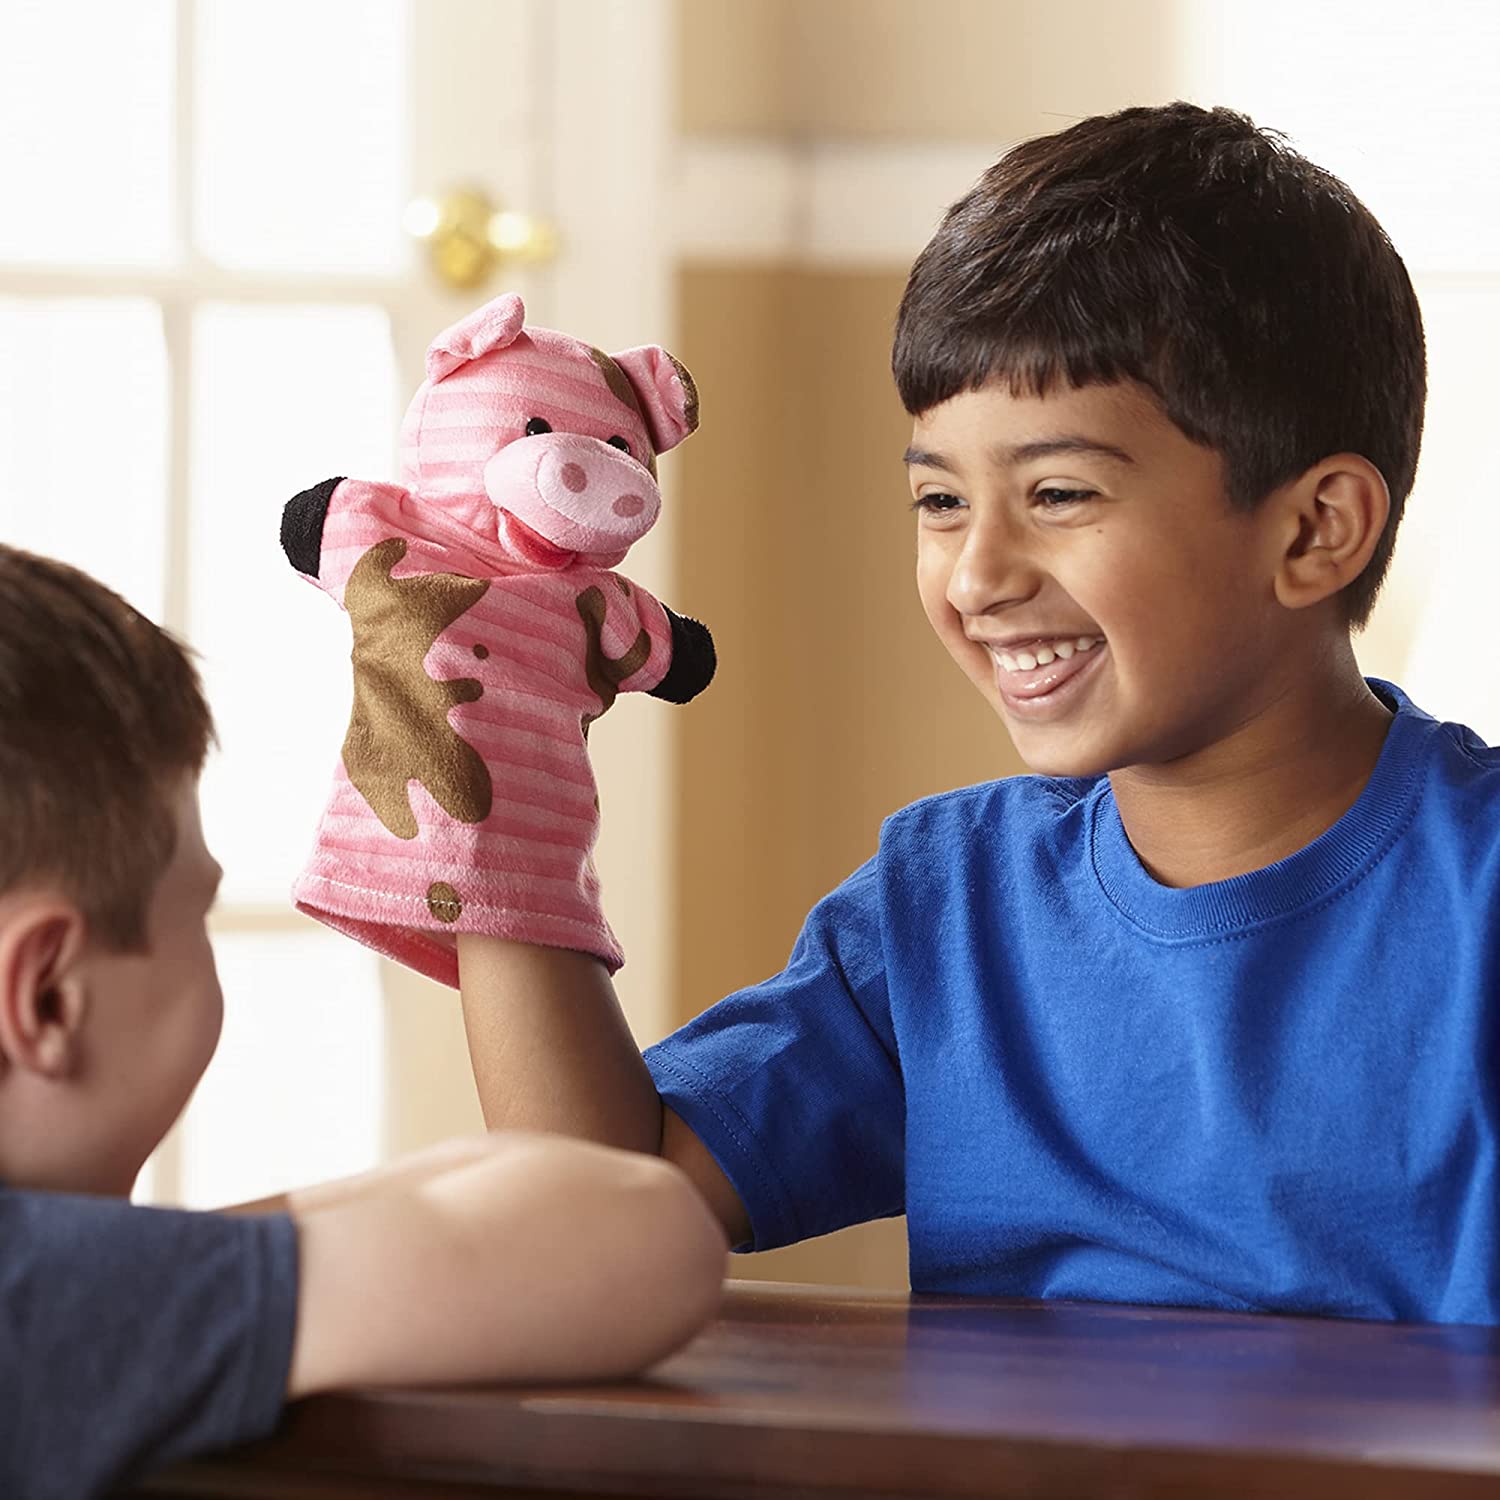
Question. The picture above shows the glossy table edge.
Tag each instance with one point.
(811, 1389)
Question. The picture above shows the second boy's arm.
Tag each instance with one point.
(509, 1257)
(552, 1052)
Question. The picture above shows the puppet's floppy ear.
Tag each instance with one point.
(668, 397)
(492, 326)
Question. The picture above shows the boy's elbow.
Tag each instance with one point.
(677, 1251)
(697, 1250)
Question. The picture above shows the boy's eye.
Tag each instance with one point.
(1055, 499)
(936, 503)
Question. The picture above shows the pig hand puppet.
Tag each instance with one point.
(490, 632)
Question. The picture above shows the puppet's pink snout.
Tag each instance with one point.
(576, 491)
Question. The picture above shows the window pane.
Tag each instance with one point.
(300, 113)
(293, 1094)
(86, 117)
(284, 397)
(1397, 99)
(83, 437)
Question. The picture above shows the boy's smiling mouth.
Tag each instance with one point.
(1042, 674)
(1043, 652)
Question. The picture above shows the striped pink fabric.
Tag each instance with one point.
(528, 461)
(526, 871)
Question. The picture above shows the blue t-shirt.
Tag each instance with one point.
(133, 1337)
(1271, 1092)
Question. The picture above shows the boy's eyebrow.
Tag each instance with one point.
(1046, 447)
(925, 459)
(1008, 456)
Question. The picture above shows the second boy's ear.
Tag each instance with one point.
(1333, 518)
(43, 997)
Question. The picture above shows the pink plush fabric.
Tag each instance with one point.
(490, 631)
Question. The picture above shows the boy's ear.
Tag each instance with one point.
(43, 997)
(1334, 516)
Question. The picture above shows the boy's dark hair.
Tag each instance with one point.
(1191, 251)
(100, 712)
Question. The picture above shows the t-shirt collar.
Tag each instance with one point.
(1315, 873)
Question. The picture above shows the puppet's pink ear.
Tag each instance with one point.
(668, 397)
(492, 326)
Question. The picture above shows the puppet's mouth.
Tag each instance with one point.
(533, 546)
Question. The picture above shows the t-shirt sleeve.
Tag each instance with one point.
(133, 1337)
(794, 1085)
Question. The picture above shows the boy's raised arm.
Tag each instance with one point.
(509, 1258)
(551, 1051)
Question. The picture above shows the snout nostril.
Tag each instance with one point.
(574, 478)
(628, 505)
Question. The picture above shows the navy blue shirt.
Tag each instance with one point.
(1277, 1091)
(132, 1337)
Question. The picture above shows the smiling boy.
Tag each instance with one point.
(1120, 616)
(1203, 1011)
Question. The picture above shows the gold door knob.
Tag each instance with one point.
(469, 237)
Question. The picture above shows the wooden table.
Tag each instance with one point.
(801, 1390)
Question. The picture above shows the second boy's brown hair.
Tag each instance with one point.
(1191, 251)
(101, 712)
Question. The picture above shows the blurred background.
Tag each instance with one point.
(229, 231)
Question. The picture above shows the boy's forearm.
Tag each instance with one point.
(550, 1046)
(536, 1259)
(404, 1172)
(551, 1052)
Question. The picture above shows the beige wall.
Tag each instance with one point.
(834, 705)
(935, 70)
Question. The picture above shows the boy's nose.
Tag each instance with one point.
(991, 570)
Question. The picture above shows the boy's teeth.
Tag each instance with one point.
(1044, 656)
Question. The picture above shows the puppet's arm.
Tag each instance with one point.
(681, 658)
(302, 521)
(635, 644)
(327, 529)
(693, 660)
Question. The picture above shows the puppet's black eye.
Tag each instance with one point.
(618, 442)
(536, 426)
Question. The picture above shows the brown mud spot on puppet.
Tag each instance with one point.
(604, 673)
(622, 390)
(399, 730)
(444, 902)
